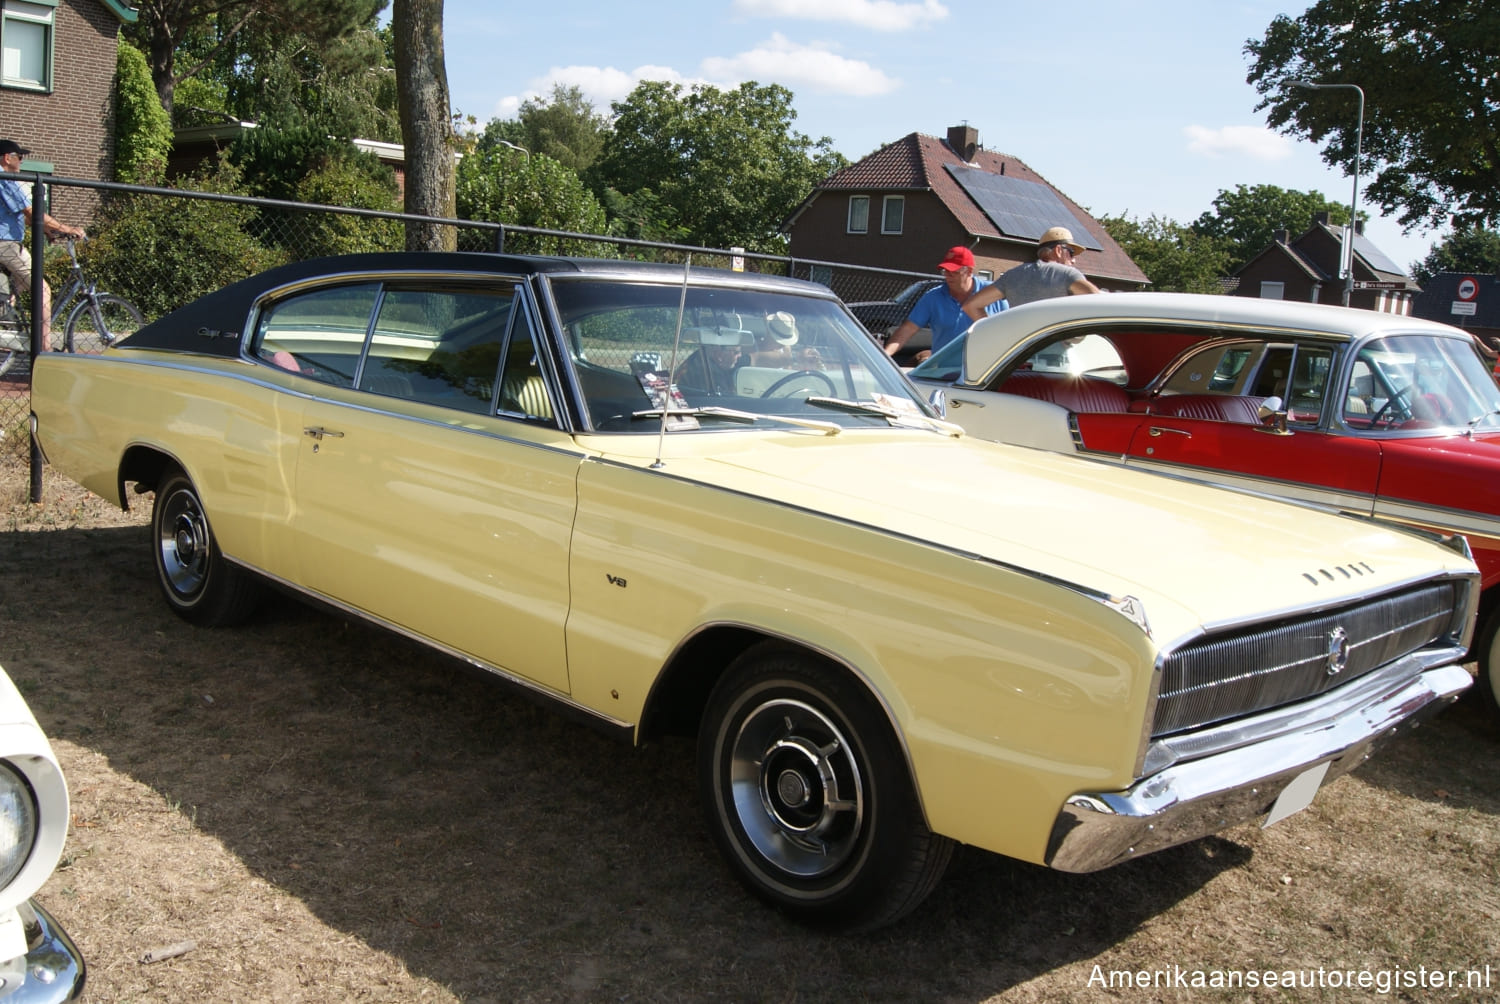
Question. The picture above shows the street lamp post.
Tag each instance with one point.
(1346, 255)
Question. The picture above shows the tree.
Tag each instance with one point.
(565, 128)
(726, 166)
(1247, 219)
(426, 122)
(1468, 249)
(167, 28)
(1176, 258)
(1432, 108)
(502, 185)
(143, 130)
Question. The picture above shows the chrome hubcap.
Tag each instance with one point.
(183, 543)
(797, 789)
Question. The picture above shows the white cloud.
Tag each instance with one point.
(816, 66)
(1254, 142)
(877, 15)
(775, 61)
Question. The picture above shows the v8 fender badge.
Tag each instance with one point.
(615, 580)
(1338, 651)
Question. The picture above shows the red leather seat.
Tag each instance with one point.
(1076, 393)
(1210, 407)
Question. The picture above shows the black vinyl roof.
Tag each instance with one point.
(212, 323)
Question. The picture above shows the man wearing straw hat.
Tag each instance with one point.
(1052, 274)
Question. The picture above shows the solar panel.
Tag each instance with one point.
(1374, 257)
(1022, 209)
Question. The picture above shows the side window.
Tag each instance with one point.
(1309, 382)
(1215, 369)
(859, 214)
(318, 334)
(438, 346)
(26, 43)
(523, 389)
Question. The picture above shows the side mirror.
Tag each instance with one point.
(939, 401)
(1272, 413)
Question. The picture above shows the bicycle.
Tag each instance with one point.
(94, 321)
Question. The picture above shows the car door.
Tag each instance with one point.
(1301, 461)
(419, 505)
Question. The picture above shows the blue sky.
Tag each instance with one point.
(1128, 106)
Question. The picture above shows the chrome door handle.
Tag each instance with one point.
(1157, 430)
(318, 432)
(959, 402)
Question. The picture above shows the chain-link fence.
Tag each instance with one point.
(159, 249)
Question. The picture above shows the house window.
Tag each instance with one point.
(26, 43)
(1272, 290)
(892, 214)
(859, 214)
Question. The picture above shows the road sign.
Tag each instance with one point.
(1463, 307)
(1468, 288)
(1380, 285)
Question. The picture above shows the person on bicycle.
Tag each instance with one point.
(15, 214)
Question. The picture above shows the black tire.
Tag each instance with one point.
(808, 796)
(199, 584)
(92, 328)
(1487, 655)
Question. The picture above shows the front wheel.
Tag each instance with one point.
(199, 585)
(808, 796)
(96, 323)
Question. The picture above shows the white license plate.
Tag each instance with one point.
(1298, 795)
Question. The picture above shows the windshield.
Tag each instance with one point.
(1414, 381)
(751, 353)
(945, 365)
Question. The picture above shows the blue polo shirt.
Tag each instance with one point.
(937, 310)
(13, 205)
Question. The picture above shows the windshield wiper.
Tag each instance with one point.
(747, 417)
(873, 410)
(1475, 421)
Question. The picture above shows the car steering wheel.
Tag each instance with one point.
(1391, 403)
(795, 375)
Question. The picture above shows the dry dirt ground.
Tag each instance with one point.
(329, 814)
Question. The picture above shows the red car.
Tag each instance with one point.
(1368, 413)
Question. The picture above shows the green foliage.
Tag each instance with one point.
(340, 183)
(501, 185)
(143, 129)
(192, 247)
(725, 167)
(1176, 258)
(1246, 219)
(1428, 69)
(1468, 249)
(565, 127)
(275, 163)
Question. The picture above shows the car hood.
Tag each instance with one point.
(1196, 556)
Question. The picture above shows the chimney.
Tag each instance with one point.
(964, 141)
(1322, 219)
(1359, 227)
(1283, 237)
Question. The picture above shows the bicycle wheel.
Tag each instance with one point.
(98, 322)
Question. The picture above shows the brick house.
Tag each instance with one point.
(905, 204)
(1306, 268)
(57, 90)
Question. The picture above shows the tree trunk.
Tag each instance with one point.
(426, 124)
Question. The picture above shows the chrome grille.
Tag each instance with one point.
(1220, 677)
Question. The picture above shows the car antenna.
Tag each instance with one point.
(666, 395)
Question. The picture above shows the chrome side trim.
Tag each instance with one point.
(1095, 830)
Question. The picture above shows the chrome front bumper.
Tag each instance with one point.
(1185, 801)
(53, 968)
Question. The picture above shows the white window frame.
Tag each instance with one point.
(1270, 290)
(859, 209)
(890, 203)
(19, 21)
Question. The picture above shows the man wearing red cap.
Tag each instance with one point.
(941, 307)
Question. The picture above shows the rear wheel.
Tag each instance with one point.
(808, 795)
(95, 324)
(1487, 653)
(199, 585)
